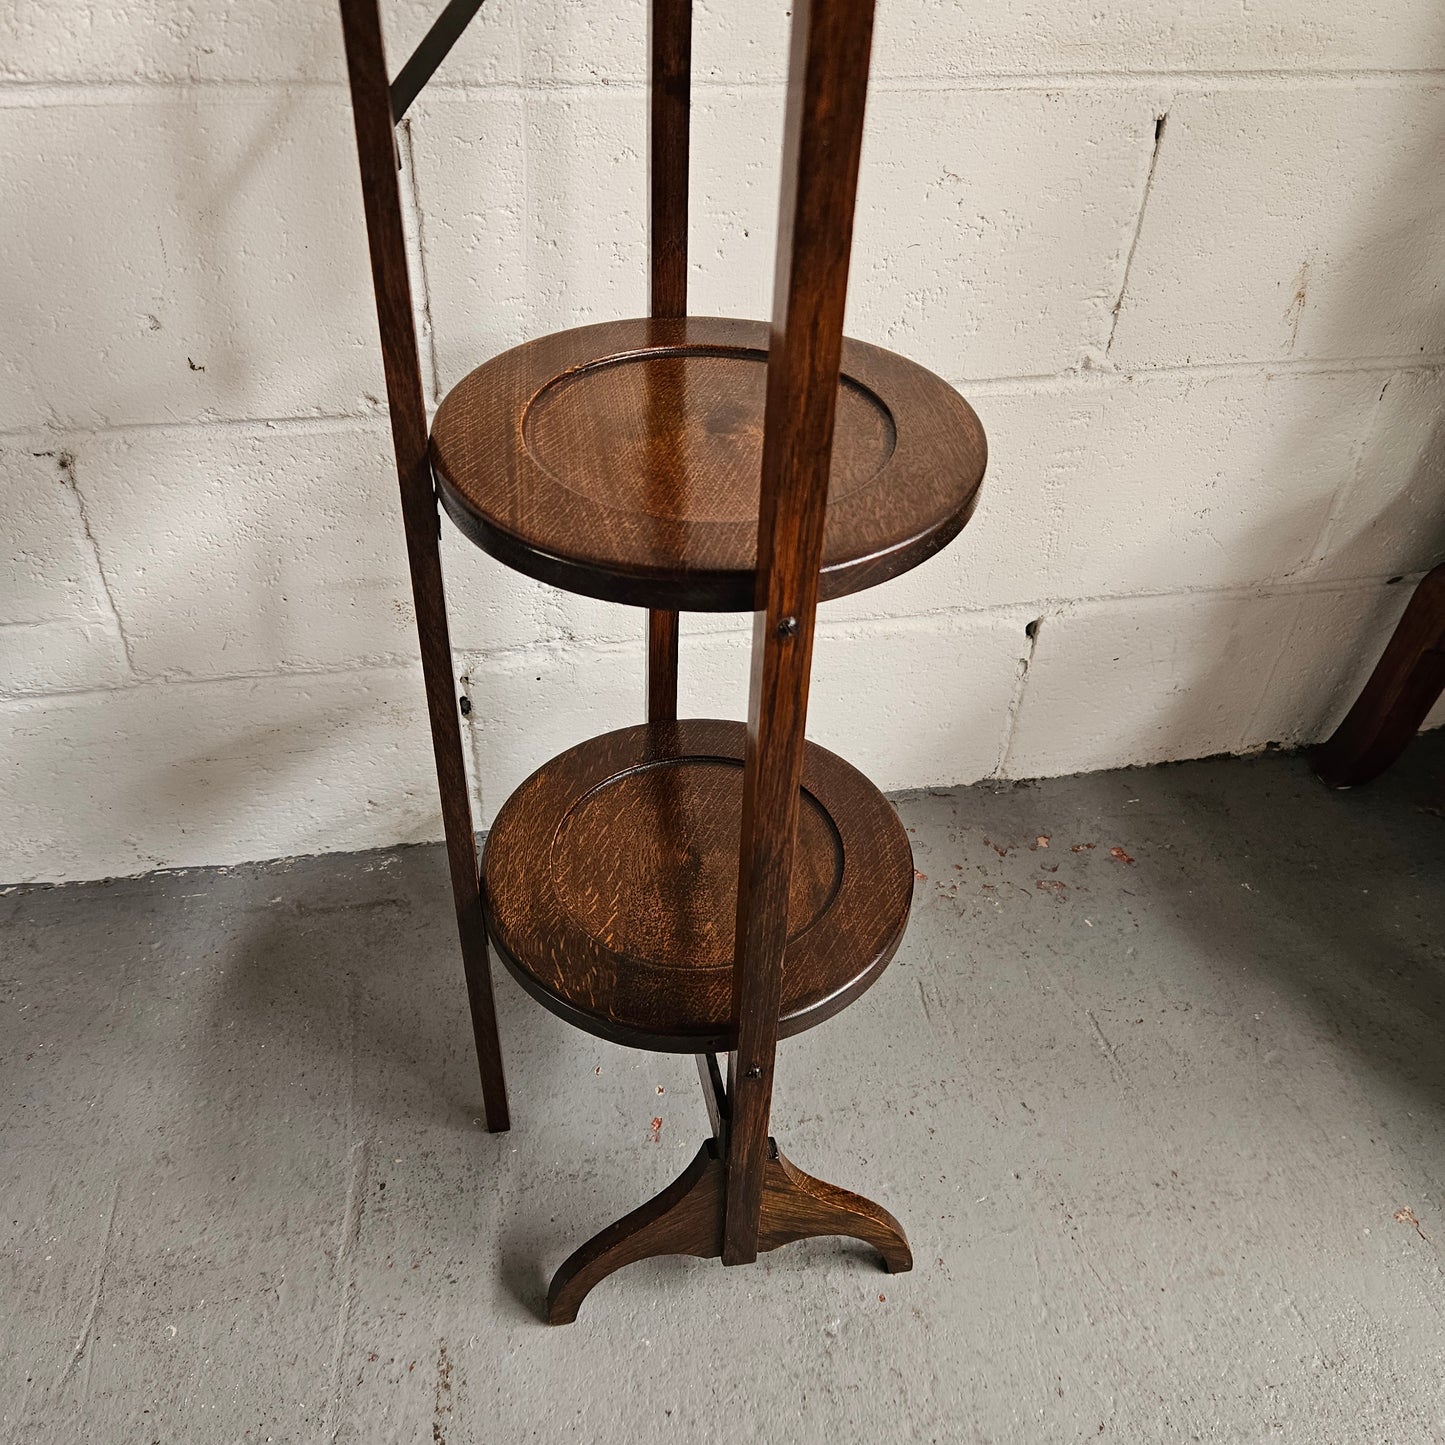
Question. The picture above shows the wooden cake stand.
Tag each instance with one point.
(693, 886)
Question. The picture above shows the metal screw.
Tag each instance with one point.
(754, 1072)
(788, 627)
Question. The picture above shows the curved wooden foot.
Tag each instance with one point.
(1408, 678)
(686, 1218)
(797, 1206)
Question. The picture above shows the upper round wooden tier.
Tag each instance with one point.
(622, 461)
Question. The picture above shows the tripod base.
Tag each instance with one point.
(687, 1218)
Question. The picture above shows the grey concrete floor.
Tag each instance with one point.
(1154, 1127)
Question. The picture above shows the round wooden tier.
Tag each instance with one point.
(622, 461)
(610, 886)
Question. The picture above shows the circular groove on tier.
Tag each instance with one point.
(622, 461)
(610, 885)
(693, 416)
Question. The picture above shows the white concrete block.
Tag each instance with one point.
(49, 573)
(43, 657)
(1008, 264)
(492, 609)
(525, 707)
(586, 198)
(1143, 485)
(913, 702)
(473, 171)
(1202, 481)
(198, 255)
(592, 44)
(242, 551)
(1211, 481)
(168, 775)
(1329, 652)
(157, 40)
(993, 226)
(1291, 223)
(1392, 519)
(57, 631)
(938, 38)
(528, 707)
(935, 39)
(249, 550)
(736, 174)
(1144, 680)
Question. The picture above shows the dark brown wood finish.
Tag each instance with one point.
(687, 1218)
(669, 134)
(434, 48)
(822, 143)
(715, 1097)
(622, 460)
(1405, 685)
(371, 104)
(690, 886)
(662, 629)
(669, 127)
(797, 1206)
(611, 885)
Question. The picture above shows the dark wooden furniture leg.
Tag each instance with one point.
(687, 1218)
(669, 118)
(372, 106)
(1404, 686)
(740, 1195)
(797, 1206)
(822, 142)
(662, 666)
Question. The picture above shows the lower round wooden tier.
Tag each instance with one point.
(610, 886)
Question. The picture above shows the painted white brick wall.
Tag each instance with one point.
(1185, 261)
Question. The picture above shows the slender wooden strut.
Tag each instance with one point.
(822, 143)
(669, 117)
(739, 1195)
(687, 1218)
(371, 104)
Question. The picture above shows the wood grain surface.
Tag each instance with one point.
(669, 137)
(687, 1218)
(610, 883)
(375, 144)
(623, 461)
(822, 143)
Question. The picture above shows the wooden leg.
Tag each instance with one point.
(797, 1206)
(715, 1096)
(436, 658)
(687, 1218)
(386, 236)
(1401, 691)
(477, 967)
(662, 666)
